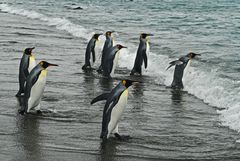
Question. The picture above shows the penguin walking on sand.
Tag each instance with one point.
(90, 50)
(116, 102)
(110, 61)
(180, 65)
(34, 87)
(107, 45)
(27, 63)
(141, 56)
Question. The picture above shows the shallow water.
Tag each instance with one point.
(163, 124)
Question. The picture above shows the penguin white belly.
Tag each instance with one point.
(37, 91)
(32, 63)
(147, 53)
(117, 112)
(147, 48)
(186, 70)
(115, 62)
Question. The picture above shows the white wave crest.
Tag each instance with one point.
(206, 85)
(60, 23)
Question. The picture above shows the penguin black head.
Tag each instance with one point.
(127, 83)
(95, 36)
(192, 55)
(28, 51)
(120, 46)
(45, 64)
(144, 35)
(109, 33)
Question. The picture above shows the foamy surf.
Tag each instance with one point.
(222, 93)
(207, 86)
(60, 23)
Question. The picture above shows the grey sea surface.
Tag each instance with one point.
(164, 124)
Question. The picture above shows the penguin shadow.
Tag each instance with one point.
(88, 81)
(106, 84)
(177, 97)
(20, 100)
(137, 94)
(108, 149)
(27, 138)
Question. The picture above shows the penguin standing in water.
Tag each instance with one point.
(34, 88)
(113, 109)
(141, 56)
(109, 63)
(181, 63)
(90, 50)
(107, 45)
(27, 63)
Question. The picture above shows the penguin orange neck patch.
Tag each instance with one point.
(124, 82)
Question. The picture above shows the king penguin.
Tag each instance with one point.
(34, 88)
(141, 56)
(116, 102)
(107, 45)
(109, 63)
(180, 64)
(27, 63)
(90, 49)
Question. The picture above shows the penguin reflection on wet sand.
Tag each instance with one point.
(179, 69)
(90, 50)
(109, 62)
(34, 88)
(141, 56)
(27, 63)
(107, 45)
(113, 109)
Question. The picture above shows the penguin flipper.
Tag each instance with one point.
(176, 62)
(144, 55)
(93, 55)
(101, 97)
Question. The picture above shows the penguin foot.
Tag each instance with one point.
(135, 73)
(18, 94)
(87, 68)
(99, 71)
(21, 112)
(39, 112)
(122, 137)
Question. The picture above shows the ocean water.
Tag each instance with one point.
(200, 122)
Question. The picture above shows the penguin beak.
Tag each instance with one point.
(135, 83)
(31, 49)
(52, 64)
(124, 47)
(195, 56)
(150, 35)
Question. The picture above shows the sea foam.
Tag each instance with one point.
(59, 23)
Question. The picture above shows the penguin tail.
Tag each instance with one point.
(22, 111)
(101, 97)
(84, 67)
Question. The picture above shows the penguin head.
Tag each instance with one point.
(127, 83)
(120, 46)
(109, 33)
(192, 55)
(95, 36)
(28, 51)
(45, 64)
(145, 35)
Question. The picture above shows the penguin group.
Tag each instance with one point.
(32, 78)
